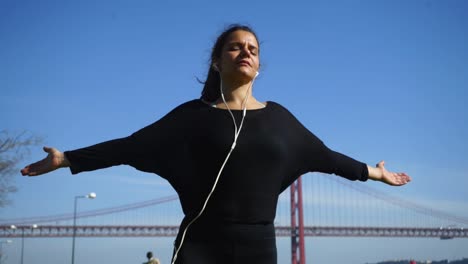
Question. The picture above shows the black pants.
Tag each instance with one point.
(228, 244)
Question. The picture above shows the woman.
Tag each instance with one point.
(227, 155)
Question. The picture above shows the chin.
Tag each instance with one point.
(242, 74)
(246, 74)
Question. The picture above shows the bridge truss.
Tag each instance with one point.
(281, 231)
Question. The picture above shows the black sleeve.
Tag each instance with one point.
(314, 156)
(155, 148)
(322, 159)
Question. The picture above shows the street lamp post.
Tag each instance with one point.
(22, 238)
(89, 196)
(1, 248)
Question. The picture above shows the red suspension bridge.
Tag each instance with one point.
(319, 205)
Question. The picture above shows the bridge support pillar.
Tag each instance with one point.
(297, 224)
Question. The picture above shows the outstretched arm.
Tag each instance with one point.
(379, 173)
(54, 160)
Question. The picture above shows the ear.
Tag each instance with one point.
(215, 65)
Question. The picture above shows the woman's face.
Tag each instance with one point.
(240, 56)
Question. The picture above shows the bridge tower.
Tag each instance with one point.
(297, 224)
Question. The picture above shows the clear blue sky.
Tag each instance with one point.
(373, 79)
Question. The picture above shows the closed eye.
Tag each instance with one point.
(237, 46)
(253, 50)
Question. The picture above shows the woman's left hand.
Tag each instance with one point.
(391, 178)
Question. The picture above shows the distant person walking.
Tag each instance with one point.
(151, 259)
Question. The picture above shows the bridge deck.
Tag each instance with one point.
(281, 231)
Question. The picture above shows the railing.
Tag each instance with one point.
(281, 231)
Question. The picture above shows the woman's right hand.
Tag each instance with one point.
(54, 160)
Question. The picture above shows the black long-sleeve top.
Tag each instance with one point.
(188, 146)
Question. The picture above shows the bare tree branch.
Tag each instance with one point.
(13, 148)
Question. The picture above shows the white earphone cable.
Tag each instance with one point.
(236, 135)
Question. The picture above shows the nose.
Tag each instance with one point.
(245, 52)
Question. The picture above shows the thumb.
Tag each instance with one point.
(381, 164)
(47, 149)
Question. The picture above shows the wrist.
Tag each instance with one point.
(65, 163)
(375, 174)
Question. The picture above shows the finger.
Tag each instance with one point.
(35, 173)
(25, 170)
(404, 176)
(36, 167)
(402, 179)
(28, 173)
(47, 149)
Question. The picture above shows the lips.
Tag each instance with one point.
(244, 62)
